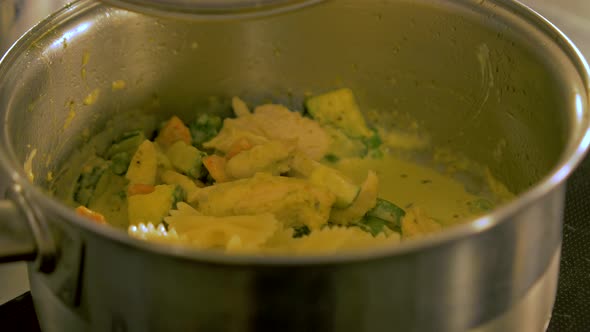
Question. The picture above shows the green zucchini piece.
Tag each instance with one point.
(389, 212)
(128, 143)
(344, 146)
(340, 109)
(88, 179)
(120, 163)
(110, 199)
(374, 225)
(186, 158)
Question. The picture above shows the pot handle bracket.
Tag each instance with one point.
(30, 240)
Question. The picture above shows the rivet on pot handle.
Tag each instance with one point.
(23, 234)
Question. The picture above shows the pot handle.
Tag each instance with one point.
(23, 235)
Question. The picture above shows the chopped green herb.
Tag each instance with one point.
(480, 205)
(373, 142)
(331, 158)
(301, 231)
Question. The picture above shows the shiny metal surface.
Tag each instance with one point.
(209, 9)
(16, 17)
(460, 280)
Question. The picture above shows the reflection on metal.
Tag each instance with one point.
(211, 8)
(71, 35)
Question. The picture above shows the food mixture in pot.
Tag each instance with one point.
(272, 180)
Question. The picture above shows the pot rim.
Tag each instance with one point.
(211, 9)
(578, 144)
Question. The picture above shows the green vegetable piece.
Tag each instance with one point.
(344, 146)
(88, 179)
(186, 158)
(204, 128)
(374, 225)
(480, 205)
(178, 195)
(339, 108)
(374, 141)
(301, 231)
(389, 212)
(331, 158)
(110, 199)
(128, 142)
(120, 163)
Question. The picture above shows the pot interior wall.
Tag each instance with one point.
(486, 85)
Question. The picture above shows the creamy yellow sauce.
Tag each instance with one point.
(409, 184)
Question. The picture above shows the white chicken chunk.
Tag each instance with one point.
(272, 158)
(292, 201)
(274, 122)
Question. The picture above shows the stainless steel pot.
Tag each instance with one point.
(480, 77)
(18, 16)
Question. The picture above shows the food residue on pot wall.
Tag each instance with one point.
(118, 85)
(29, 165)
(71, 114)
(85, 59)
(92, 97)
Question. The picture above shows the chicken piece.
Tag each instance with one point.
(229, 135)
(292, 201)
(241, 145)
(240, 107)
(274, 122)
(272, 158)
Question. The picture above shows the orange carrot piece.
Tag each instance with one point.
(92, 215)
(140, 189)
(174, 130)
(216, 167)
(238, 146)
